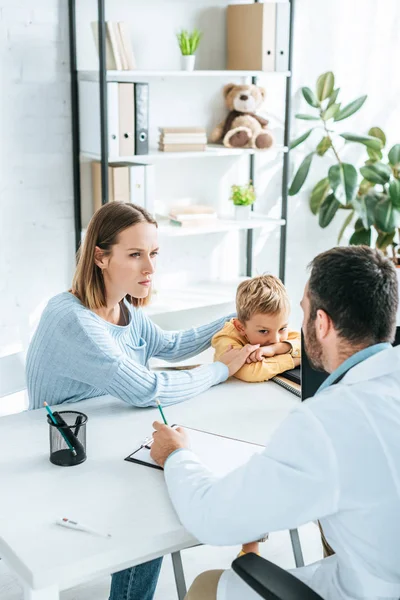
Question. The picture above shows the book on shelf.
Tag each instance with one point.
(192, 215)
(198, 222)
(180, 130)
(129, 183)
(258, 36)
(178, 138)
(182, 147)
(127, 118)
(119, 53)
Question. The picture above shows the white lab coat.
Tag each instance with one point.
(336, 458)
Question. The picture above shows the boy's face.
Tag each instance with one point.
(265, 329)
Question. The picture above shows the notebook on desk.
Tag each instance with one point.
(220, 454)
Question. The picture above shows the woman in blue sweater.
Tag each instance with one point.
(96, 340)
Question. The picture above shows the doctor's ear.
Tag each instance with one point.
(323, 324)
(100, 258)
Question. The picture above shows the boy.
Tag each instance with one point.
(263, 308)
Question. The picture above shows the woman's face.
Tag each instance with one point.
(130, 266)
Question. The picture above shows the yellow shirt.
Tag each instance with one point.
(259, 371)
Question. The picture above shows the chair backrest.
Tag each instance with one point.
(12, 381)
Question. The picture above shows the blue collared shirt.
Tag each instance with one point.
(351, 362)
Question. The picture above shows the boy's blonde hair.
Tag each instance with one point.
(264, 294)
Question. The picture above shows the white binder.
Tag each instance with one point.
(137, 183)
(89, 116)
(282, 36)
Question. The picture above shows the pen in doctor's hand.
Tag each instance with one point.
(161, 411)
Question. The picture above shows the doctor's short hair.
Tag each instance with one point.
(264, 294)
(357, 287)
(103, 231)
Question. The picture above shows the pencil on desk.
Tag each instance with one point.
(161, 411)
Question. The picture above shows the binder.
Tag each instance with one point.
(118, 183)
(150, 188)
(89, 116)
(141, 118)
(282, 35)
(219, 453)
(137, 185)
(126, 109)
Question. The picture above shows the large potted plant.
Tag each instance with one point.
(368, 195)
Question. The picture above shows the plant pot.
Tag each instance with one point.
(242, 213)
(187, 62)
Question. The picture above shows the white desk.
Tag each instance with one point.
(127, 500)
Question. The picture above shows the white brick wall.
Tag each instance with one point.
(36, 203)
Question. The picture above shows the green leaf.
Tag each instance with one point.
(319, 194)
(343, 179)
(324, 146)
(384, 240)
(378, 133)
(362, 237)
(346, 223)
(328, 210)
(365, 208)
(367, 140)
(300, 139)
(333, 97)
(376, 173)
(310, 97)
(301, 175)
(394, 193)
(330, 112)
(374, 155)
(325, 85)
(350, 109)
(306, 117)
(394, 155)
(364, 187)
(387, 218)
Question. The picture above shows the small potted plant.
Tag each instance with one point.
(188, 44)
(243, 196)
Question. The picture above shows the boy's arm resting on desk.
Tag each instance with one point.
(178, 345)
(294, 339)
(265, 369)
(286, 485)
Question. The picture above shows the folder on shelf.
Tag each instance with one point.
(126, 110)
(219, 453)
(282, 36)
(89, 117)
(118, 183)
(141, 118)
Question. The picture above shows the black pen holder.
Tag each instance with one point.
(67, 438)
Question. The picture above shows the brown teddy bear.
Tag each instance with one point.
(242, 128)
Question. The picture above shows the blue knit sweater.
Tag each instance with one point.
(75, 355)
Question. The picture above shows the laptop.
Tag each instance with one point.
(308, 378)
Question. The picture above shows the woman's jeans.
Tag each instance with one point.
(136, 583)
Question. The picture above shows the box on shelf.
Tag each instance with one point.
(258, 36)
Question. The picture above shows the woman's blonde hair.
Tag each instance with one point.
(103, 231)
(264, 294)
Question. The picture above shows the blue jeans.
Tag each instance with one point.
(136, 583)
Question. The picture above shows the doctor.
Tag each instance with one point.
(335, 458)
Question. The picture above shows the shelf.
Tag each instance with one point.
(220, 226)
(193, 296)
(212, 150)
(136, 75)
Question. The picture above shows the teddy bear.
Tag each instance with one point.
(243, 128)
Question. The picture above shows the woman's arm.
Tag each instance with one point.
(177, 345)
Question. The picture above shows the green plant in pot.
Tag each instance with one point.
(243, 196)
(368, 196)
(188, 44)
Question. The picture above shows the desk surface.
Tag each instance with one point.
(127, 500)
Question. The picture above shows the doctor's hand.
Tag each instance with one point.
(167, 440)
(235, 358)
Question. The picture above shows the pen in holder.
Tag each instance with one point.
(67, 438)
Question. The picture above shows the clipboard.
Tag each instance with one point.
(221, 454)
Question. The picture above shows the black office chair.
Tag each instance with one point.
(270, 581)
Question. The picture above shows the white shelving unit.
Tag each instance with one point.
(135, 75)
(220, 226)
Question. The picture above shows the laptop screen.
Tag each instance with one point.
(312, 379)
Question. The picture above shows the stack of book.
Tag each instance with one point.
(195, 215)
(119, 54)
(182, 139)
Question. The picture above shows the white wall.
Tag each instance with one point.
(351, 37)
(36, 222)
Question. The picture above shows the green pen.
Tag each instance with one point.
(161, 411)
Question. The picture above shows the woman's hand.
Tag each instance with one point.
(235, 358)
